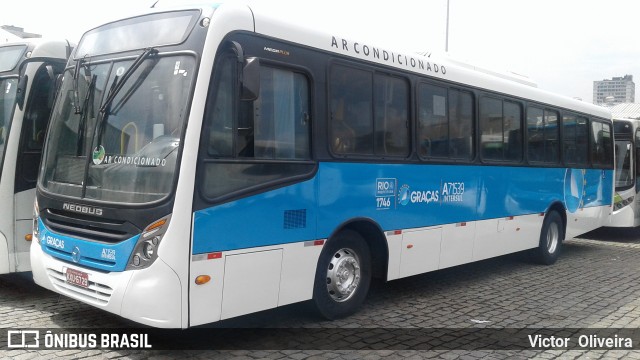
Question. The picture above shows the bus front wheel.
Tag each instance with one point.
(551, 238)
(343, 275)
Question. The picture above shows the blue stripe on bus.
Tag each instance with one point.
(91, 254)
(396, 196)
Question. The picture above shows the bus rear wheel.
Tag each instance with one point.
(343, 275)
(551, 238)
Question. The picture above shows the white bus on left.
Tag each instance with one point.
(28, 73)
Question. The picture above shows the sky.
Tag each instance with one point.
(562, 45)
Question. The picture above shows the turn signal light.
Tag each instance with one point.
(202, 279)
(156, 225)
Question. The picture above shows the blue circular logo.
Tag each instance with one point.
(75, 254)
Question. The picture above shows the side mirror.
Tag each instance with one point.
(22, 89)
(250, 79)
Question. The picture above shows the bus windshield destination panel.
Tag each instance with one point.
(138, 33)
(244, 163)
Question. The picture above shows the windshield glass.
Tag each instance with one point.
(10, 55)
(7, 103)
(624, 174)
(129, 152)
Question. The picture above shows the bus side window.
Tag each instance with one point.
(637, 158)
(582, 138)
(543, 135)
(512, 131)
(535, 134)
(255, 142)
(575, 140)
(280, 128)
(501, 129)
(391, 118)
(570, 150)
(220, 141)
(369, 113)
(491, 132)
(34, 125)
(351, 123)
(433, 122)
(551, 137)
(601, 144)
(38, 110)
(461, 129)
(445, 123)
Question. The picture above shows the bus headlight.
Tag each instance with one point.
(146, 250)
(620, 203)
(149, 248)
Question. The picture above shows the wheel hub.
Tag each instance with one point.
(553, 236)
(343, 275)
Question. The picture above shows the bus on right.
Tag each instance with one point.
(626, 211)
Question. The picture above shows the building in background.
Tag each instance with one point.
(6, 37)
(618, 90)
(10, 33)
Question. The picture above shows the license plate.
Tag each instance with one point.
(77, 278)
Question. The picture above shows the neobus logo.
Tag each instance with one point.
(82, 209)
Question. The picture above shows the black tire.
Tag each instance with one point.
(551, 238)
(346, 257)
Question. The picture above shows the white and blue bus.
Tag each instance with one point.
(28, 73)
(208, 162)
(626, 203)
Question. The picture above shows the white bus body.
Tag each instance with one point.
(172, 226)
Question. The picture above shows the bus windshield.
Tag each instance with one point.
(623, 173)
(8, 88)
(115, 137)
(9, 56)
(623, 131)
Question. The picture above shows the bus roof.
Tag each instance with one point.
(268, 19)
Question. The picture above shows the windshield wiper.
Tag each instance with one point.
(119, 81)
(83, 117)
(116, 86)
(76, 96)
(103, 113)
